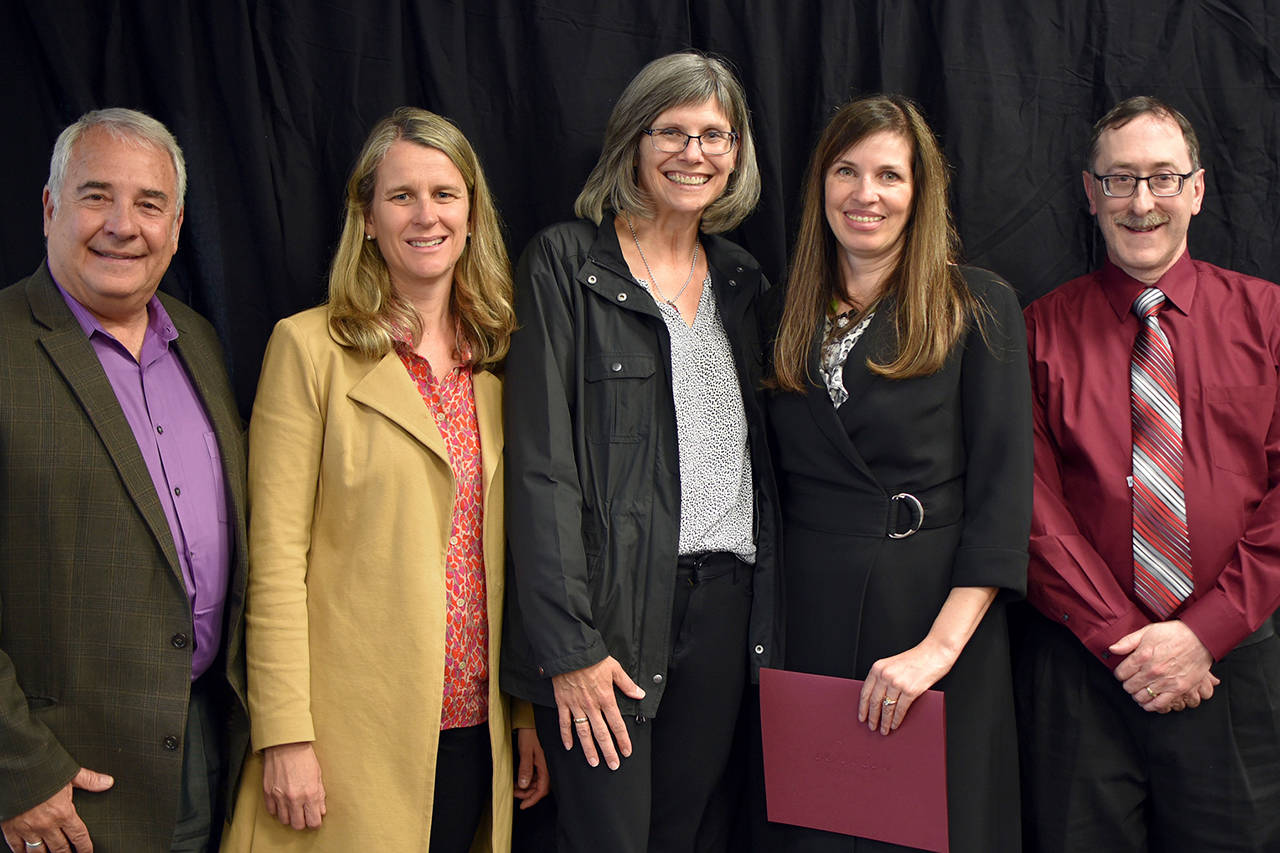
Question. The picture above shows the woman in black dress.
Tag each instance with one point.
(900, 415)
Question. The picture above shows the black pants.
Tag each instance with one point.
(464, 778)
(1100, 774)
(204, 768)
(664, 797)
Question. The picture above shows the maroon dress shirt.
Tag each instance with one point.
(177, 442)
(1224, 329)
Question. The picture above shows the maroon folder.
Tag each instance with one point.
(824, 769)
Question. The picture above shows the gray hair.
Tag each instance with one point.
(1139, 105)
(127, 125)
(671, 81)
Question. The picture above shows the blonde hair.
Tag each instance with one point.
(364, 310)
(671, 81)
(934, 305)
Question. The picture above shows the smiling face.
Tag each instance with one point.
(114, 227)
(420, 215)
(868, 193)
(1145, 234)
(686, 181)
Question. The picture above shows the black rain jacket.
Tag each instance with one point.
(593, 476)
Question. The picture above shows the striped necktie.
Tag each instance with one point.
(1161, 548)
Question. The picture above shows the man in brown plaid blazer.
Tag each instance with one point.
(122, 534)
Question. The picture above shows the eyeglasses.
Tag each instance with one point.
(1163, 185)
(668, 140)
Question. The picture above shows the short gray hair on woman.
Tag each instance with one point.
(674, 80)
(127, 125)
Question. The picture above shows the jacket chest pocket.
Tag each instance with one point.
(619, 405)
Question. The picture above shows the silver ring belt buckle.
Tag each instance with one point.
(917, 514)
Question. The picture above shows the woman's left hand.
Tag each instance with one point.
(533, 782)
(894, 683)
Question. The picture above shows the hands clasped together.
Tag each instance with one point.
(1165, 668)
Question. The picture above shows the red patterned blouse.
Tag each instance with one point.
(452, 404)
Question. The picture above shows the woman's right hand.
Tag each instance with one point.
(588, 709)
(292, 786)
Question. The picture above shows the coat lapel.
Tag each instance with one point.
(828, 417)
(389, 390)
(488, 391)
(73, 356)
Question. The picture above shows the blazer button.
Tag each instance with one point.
(170, 743)
(733, 282)
(759, 650)
(657, 679)
(179, 641)
(616, 367)
(622, 297)
(739, 269)
(591, 279)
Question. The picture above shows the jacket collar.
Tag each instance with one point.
(735, 275)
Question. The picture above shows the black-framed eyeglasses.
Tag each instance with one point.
(1162, 184)
(669, 140)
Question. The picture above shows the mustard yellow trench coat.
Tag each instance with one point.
(351, 497)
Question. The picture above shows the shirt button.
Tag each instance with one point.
(616, 367)
(453, 540)
(657, 679)
(179, 641)
(759, 650)
(622, 297)
(177, 491)
(591, 279)
(440, 416)
(170, 743)
(160, 429)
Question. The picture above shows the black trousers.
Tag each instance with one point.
(204, 768)
(668, 795)
(1100, 774)
(464, 780)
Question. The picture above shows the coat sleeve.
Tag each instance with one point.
(544, 494)
(996, 413)
(286, 433)
(33, 765)
(1068, 581)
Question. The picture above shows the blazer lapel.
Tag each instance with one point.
(878, 341)
(73, 356)
(828, 417)
(488, 391)
(389, 390)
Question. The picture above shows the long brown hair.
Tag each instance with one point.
(934, 306)
(364, 310)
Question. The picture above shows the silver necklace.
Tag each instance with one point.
(653, 282)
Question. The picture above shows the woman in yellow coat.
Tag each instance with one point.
(376, 548)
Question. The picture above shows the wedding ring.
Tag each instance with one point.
(1151, 692)
(889, 702)
(578, 720)
(32, 845)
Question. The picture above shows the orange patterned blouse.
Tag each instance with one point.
(452, 405)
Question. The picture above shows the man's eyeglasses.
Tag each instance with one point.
(668, 140)
(1164, 185)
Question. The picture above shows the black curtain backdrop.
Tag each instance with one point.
(271, 100)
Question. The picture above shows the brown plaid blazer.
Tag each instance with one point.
(91, 596)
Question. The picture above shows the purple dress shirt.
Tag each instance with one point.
(177, 442)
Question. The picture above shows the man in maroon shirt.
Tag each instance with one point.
(122, 546)
(1149, 711)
